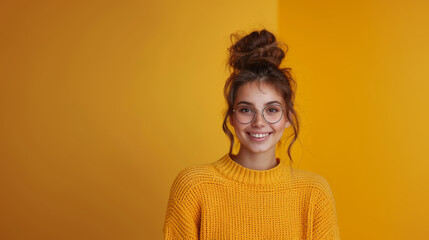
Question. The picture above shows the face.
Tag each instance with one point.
(258, 136)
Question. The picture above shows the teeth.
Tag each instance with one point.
(259, 135)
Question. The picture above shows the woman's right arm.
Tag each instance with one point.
(182, 219)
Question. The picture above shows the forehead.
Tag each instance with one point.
(258, 93)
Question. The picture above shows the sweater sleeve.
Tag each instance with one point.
(182, 218)
(325, 222)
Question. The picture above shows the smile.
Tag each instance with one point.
(259, 136)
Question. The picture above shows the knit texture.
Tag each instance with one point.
(224, 200)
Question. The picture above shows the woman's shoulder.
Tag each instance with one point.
(189, 178)
(194, 172)
(306, 178)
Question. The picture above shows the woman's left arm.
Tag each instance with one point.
(325, 221)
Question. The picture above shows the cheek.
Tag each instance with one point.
(280, 126)
(239, 128)
(235, 125)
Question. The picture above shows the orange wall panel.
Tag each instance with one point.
(102, 103)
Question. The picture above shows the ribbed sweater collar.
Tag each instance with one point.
(234, 171)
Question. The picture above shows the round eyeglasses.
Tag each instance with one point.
(271, 114)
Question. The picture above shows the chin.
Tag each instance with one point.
(258, 149)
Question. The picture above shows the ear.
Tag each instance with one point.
(287, 124)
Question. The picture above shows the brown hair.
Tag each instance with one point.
(256, 57)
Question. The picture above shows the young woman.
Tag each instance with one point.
(253, 194)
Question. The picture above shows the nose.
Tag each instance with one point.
(259, 120)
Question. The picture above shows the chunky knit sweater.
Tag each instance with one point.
(224, 200)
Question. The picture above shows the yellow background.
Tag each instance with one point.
(363, 96)
(102, 103)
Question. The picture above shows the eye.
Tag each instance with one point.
(245, 110)
(273, 109)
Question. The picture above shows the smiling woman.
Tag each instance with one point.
(253, 194)
(258, 133)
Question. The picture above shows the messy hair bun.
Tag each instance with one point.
(257, 47)
(257, 57)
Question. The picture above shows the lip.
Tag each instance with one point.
(259, 139)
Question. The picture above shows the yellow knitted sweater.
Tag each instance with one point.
(224, 200)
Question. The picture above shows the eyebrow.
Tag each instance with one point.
(248, 103)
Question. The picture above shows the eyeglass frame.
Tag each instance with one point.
(256, 112)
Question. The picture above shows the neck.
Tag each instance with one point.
(256, 161)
